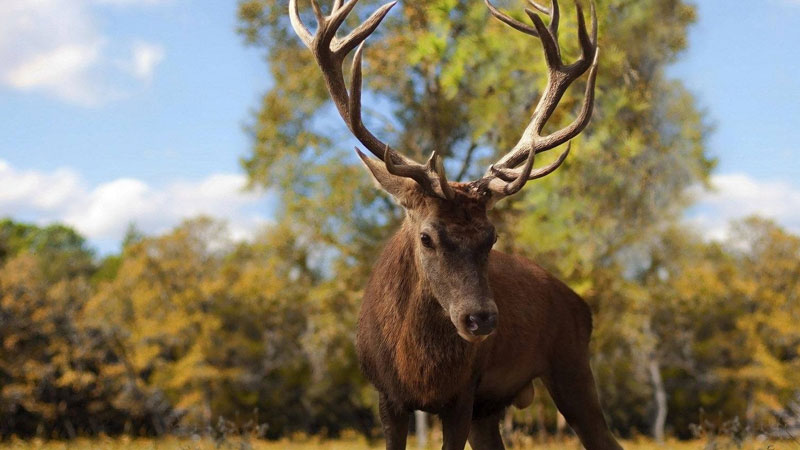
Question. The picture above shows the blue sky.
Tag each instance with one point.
(743, 65)
(120, 111)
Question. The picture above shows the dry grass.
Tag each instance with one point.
(350, 443)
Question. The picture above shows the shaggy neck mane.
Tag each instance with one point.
(404, 283)
(425, 349)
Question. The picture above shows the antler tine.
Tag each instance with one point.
(545, 171)
(510, 175)
(510, 21)
(584, 116)
(299, 28)
(338, 16)
(539, 7)
(356, 77)
(318, 13)
(502, 178)
(552, 52)
(361, 32)
(330, 53)
(512, 181)
(554, 13)
(407, 171)
(436, 165)
(555, 19)
(588, 45)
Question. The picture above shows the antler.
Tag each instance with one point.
(504, 178)
(330, 53)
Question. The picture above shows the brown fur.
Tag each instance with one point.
(410, 348)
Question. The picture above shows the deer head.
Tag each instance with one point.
(452, 235)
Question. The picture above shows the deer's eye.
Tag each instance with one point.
(426, 240)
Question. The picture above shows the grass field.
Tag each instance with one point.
(352, 444)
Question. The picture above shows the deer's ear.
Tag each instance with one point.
(401, 188)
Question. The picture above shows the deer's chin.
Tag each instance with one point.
(471, 338)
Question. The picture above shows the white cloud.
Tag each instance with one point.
(25, 191)
(55, 47)
(102, 213)
(736, 196)
(144, 60)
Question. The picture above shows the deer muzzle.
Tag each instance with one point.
(475, 325)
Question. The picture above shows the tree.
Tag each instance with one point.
(161, 312)
(215, 330)
(52, 379)
(768, 373)
(690, 312)
(61, 251)
(722, 317)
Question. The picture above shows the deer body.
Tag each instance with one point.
(448, 325)
(409, 348)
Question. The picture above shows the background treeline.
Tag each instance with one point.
(186, 328)
(181, 329)
(175, 332)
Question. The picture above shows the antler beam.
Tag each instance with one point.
(330, 52)
(503, 178)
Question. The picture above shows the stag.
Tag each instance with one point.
(448, 325)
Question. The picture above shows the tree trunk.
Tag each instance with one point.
(750, 409)
(70, 429)
(660, 394)
(561, 425)
(541, 426)
(421, 427)
(508, 425)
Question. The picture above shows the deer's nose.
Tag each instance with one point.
(482, 323)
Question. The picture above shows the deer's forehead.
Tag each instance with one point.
(457, 217)
(459, 225)
(462, 222)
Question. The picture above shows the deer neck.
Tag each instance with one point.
(429, 351)
(404, 330)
